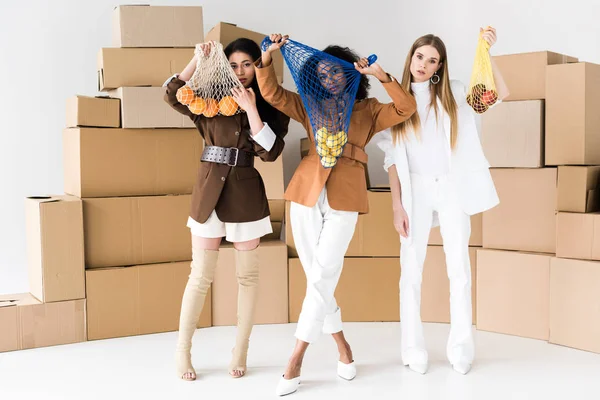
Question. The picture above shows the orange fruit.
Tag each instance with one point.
(197, 106)
(185, 95)
(212, 108)
(227, 106)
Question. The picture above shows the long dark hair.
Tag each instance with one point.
(267, 112)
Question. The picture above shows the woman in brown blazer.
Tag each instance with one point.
(325, 203)
(228, 199)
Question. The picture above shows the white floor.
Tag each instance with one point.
(141, 367)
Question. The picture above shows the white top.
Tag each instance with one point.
(427, 153)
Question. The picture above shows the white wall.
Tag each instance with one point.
(48, 53)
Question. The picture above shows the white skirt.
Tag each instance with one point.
(231, 231)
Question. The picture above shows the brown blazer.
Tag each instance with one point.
(237, 194)
(346, 183)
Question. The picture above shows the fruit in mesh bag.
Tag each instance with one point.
(489, 97)
(337, 140)
(479, 106)
(322, 150)
(337, 151)
(197, 105)
(212, 108)
(328, 161)
(228, 106)
(322, 135)
(185, 95)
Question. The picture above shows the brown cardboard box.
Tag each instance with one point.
(513, 293)
(512, 134)
(226, 33)
(525, 219)
(525, 73)
(305, 146)
(578, 189)
(578, 236)
(272, 176)
(138, 300)
(157, 26)
(575, 304)
(54, 227)
(139, 67)
(367, 290)
(92, 111)
(136, 230)
(435, 290)
(144, 107)
(272, 307)
(130, 162)
(27, 323)
(435, 237)
(572, 117)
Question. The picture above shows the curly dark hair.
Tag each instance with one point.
(349, 55)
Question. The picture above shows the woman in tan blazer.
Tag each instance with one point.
(228, 199)
(325, 202)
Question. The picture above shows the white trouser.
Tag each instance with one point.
(429, 195)
(322, 236)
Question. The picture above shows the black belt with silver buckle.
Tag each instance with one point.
(231, 156)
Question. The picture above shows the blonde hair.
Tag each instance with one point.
(441, 90)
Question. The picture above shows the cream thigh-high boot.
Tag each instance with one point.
(247, 263)
(201, 276)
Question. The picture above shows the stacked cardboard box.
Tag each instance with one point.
(523, 289)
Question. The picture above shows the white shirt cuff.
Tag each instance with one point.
(265, 138)
(170, 79)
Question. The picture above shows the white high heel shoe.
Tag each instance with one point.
(418, 368)
(462, 368)
(346, 371)
(287, 386)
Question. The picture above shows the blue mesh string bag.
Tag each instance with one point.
(328, 87)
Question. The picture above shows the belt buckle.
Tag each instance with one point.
(237, 153)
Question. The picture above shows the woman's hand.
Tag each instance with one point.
(374, 69)
(205, 48)
(246, 98)
(401, 221)
(489, 35)
(278, 42)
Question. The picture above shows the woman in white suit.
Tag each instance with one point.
(438, 176)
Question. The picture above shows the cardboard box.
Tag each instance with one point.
(139, 67)
(226, 33)
(512, 134)
(92, 111)
(136, 230)
(578, 189)
(367, 290)
(572, 117)
(272, 176)
(27, 323)
(144, 107)
(54, 227)
(525, 73)
(578, 236)
(435, 289)
(138, 300)
(305, 147)
(575, 304)
(435, 237)
(525, 219)
(157, 26)
(513, 293)
(130, 162)
(272, 307)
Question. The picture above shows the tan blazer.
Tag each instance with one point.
(346, 184)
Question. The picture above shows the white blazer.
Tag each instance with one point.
(469, 169)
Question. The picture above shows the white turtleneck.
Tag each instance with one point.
(428, 151)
